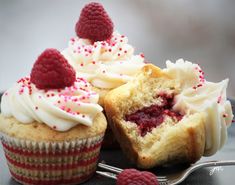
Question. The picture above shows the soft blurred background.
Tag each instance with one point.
(200, 31)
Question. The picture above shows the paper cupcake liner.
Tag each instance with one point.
(51, 163)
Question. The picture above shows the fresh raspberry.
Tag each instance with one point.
(52, 71)
(135, 177)
(94, 23)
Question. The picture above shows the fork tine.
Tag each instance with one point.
(107, 174)
(119, 170)
(110, 168)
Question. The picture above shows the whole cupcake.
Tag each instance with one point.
(51, 125)
(102, 56)
(99, 54)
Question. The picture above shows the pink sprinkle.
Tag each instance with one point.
(219, 99)
(225, 115)
(121, 40)
(72, 39)
(81, 64)
(5, 93)
(122, 36)
(39, 97)
(119, 54)
(21, 91)
(142, 55)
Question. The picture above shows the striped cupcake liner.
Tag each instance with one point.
(51, 163)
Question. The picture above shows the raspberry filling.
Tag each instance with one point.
(150, 117)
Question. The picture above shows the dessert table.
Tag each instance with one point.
(207, 176)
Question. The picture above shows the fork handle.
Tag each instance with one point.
(213, 163)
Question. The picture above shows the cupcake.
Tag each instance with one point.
(51, 125)
(169, 116)
(99, 54)
(102, 56)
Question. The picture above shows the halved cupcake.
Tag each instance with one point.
(51, 125)
(169, 116)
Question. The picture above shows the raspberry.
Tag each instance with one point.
(135, 177)
(52, 71)
(94, 23)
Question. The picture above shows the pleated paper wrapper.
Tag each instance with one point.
(51, 163)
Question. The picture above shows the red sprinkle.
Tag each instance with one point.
(225, 115)
(219, 99)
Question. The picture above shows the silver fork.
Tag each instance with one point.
(172, 179)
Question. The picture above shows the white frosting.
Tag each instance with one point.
(60, 109)
(105, 64)
(199, 95)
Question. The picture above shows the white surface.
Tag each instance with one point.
(203, 32)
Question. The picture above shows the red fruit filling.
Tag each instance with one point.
(150, 117)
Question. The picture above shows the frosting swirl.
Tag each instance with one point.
(60, 109)
(199, 95)
(105, 64)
